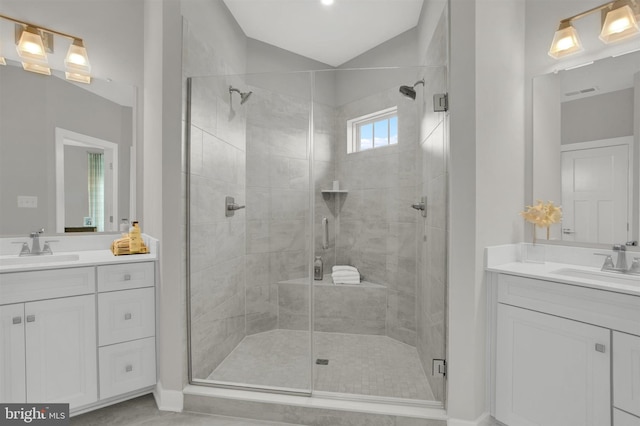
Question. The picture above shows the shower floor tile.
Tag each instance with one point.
(358, 364)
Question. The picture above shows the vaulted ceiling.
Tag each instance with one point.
(330, 34)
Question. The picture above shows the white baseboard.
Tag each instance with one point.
(168, 400)
(484, 420)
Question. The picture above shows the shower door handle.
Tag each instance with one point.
(325, 233)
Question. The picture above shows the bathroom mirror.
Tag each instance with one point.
(65, 153)
(586, 150)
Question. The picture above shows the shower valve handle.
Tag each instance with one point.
(231, 206)
(234, 207)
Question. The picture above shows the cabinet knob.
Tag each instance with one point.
(600, 347)
(17, 320)
(129, 368)
(127, 277)
(31, 318)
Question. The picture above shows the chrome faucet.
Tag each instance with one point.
(621, 261)
(35, 245)
(35, 242)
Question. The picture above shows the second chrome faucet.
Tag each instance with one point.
(621, 261)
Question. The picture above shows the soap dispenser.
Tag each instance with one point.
(317, 269)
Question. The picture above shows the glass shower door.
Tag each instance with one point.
(248, 273)
(379, 311)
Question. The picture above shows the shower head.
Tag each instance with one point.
(244, 96)
(410, 91)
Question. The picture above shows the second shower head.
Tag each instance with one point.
(410, 91)
(244, 96)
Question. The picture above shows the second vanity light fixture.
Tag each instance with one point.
(619, 21)
(33, 42)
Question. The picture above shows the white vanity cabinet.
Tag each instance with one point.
(562, 353)
(81, 335)
(626, 373)
(48, 346)
(12, 354)
(552, 371)
(126, 319)
(60, 338)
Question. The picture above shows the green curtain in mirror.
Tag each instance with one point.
(96, 189)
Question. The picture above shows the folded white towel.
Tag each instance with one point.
(345, 277)
(344, 268)
(346, 274)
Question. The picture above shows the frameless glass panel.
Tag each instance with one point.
(379, 308)
(249, 266)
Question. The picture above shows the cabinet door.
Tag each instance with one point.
(62, 351)
(551, 371)
(12, 364)
(626, 372)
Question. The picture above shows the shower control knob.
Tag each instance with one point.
(231, 206)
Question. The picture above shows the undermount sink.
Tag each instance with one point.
(29, 260)
(609, 277)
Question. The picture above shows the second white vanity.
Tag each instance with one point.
(79, 331)
(565, 340)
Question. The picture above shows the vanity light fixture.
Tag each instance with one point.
(619, 21)
(565, 41)
(33, 42)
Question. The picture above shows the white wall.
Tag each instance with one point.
(487, 182)
(163, 185)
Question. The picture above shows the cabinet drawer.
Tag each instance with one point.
(125, 276)
(626, 372)
(126, 315)
(604, 308)
(620, 418)
(18, 287)
(127, 367)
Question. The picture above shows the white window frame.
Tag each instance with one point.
(354, 125)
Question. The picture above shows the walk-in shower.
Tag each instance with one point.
(330, 164)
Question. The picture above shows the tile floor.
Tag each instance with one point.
(143, 411)
(359, 364)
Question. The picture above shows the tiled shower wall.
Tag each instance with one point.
(432, 277)
(376, 225)
(217, 248)
(277, 201)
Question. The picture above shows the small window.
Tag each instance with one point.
(375, 130)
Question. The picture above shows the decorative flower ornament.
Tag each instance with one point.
(542, 215)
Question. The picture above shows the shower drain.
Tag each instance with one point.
(321, 361)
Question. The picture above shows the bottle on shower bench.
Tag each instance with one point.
(317, 269)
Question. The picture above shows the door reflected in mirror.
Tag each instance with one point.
(586, 140)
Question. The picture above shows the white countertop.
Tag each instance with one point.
(545, 271)
(87, 250)
(85, 258)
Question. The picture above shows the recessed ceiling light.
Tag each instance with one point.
(327, 2)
